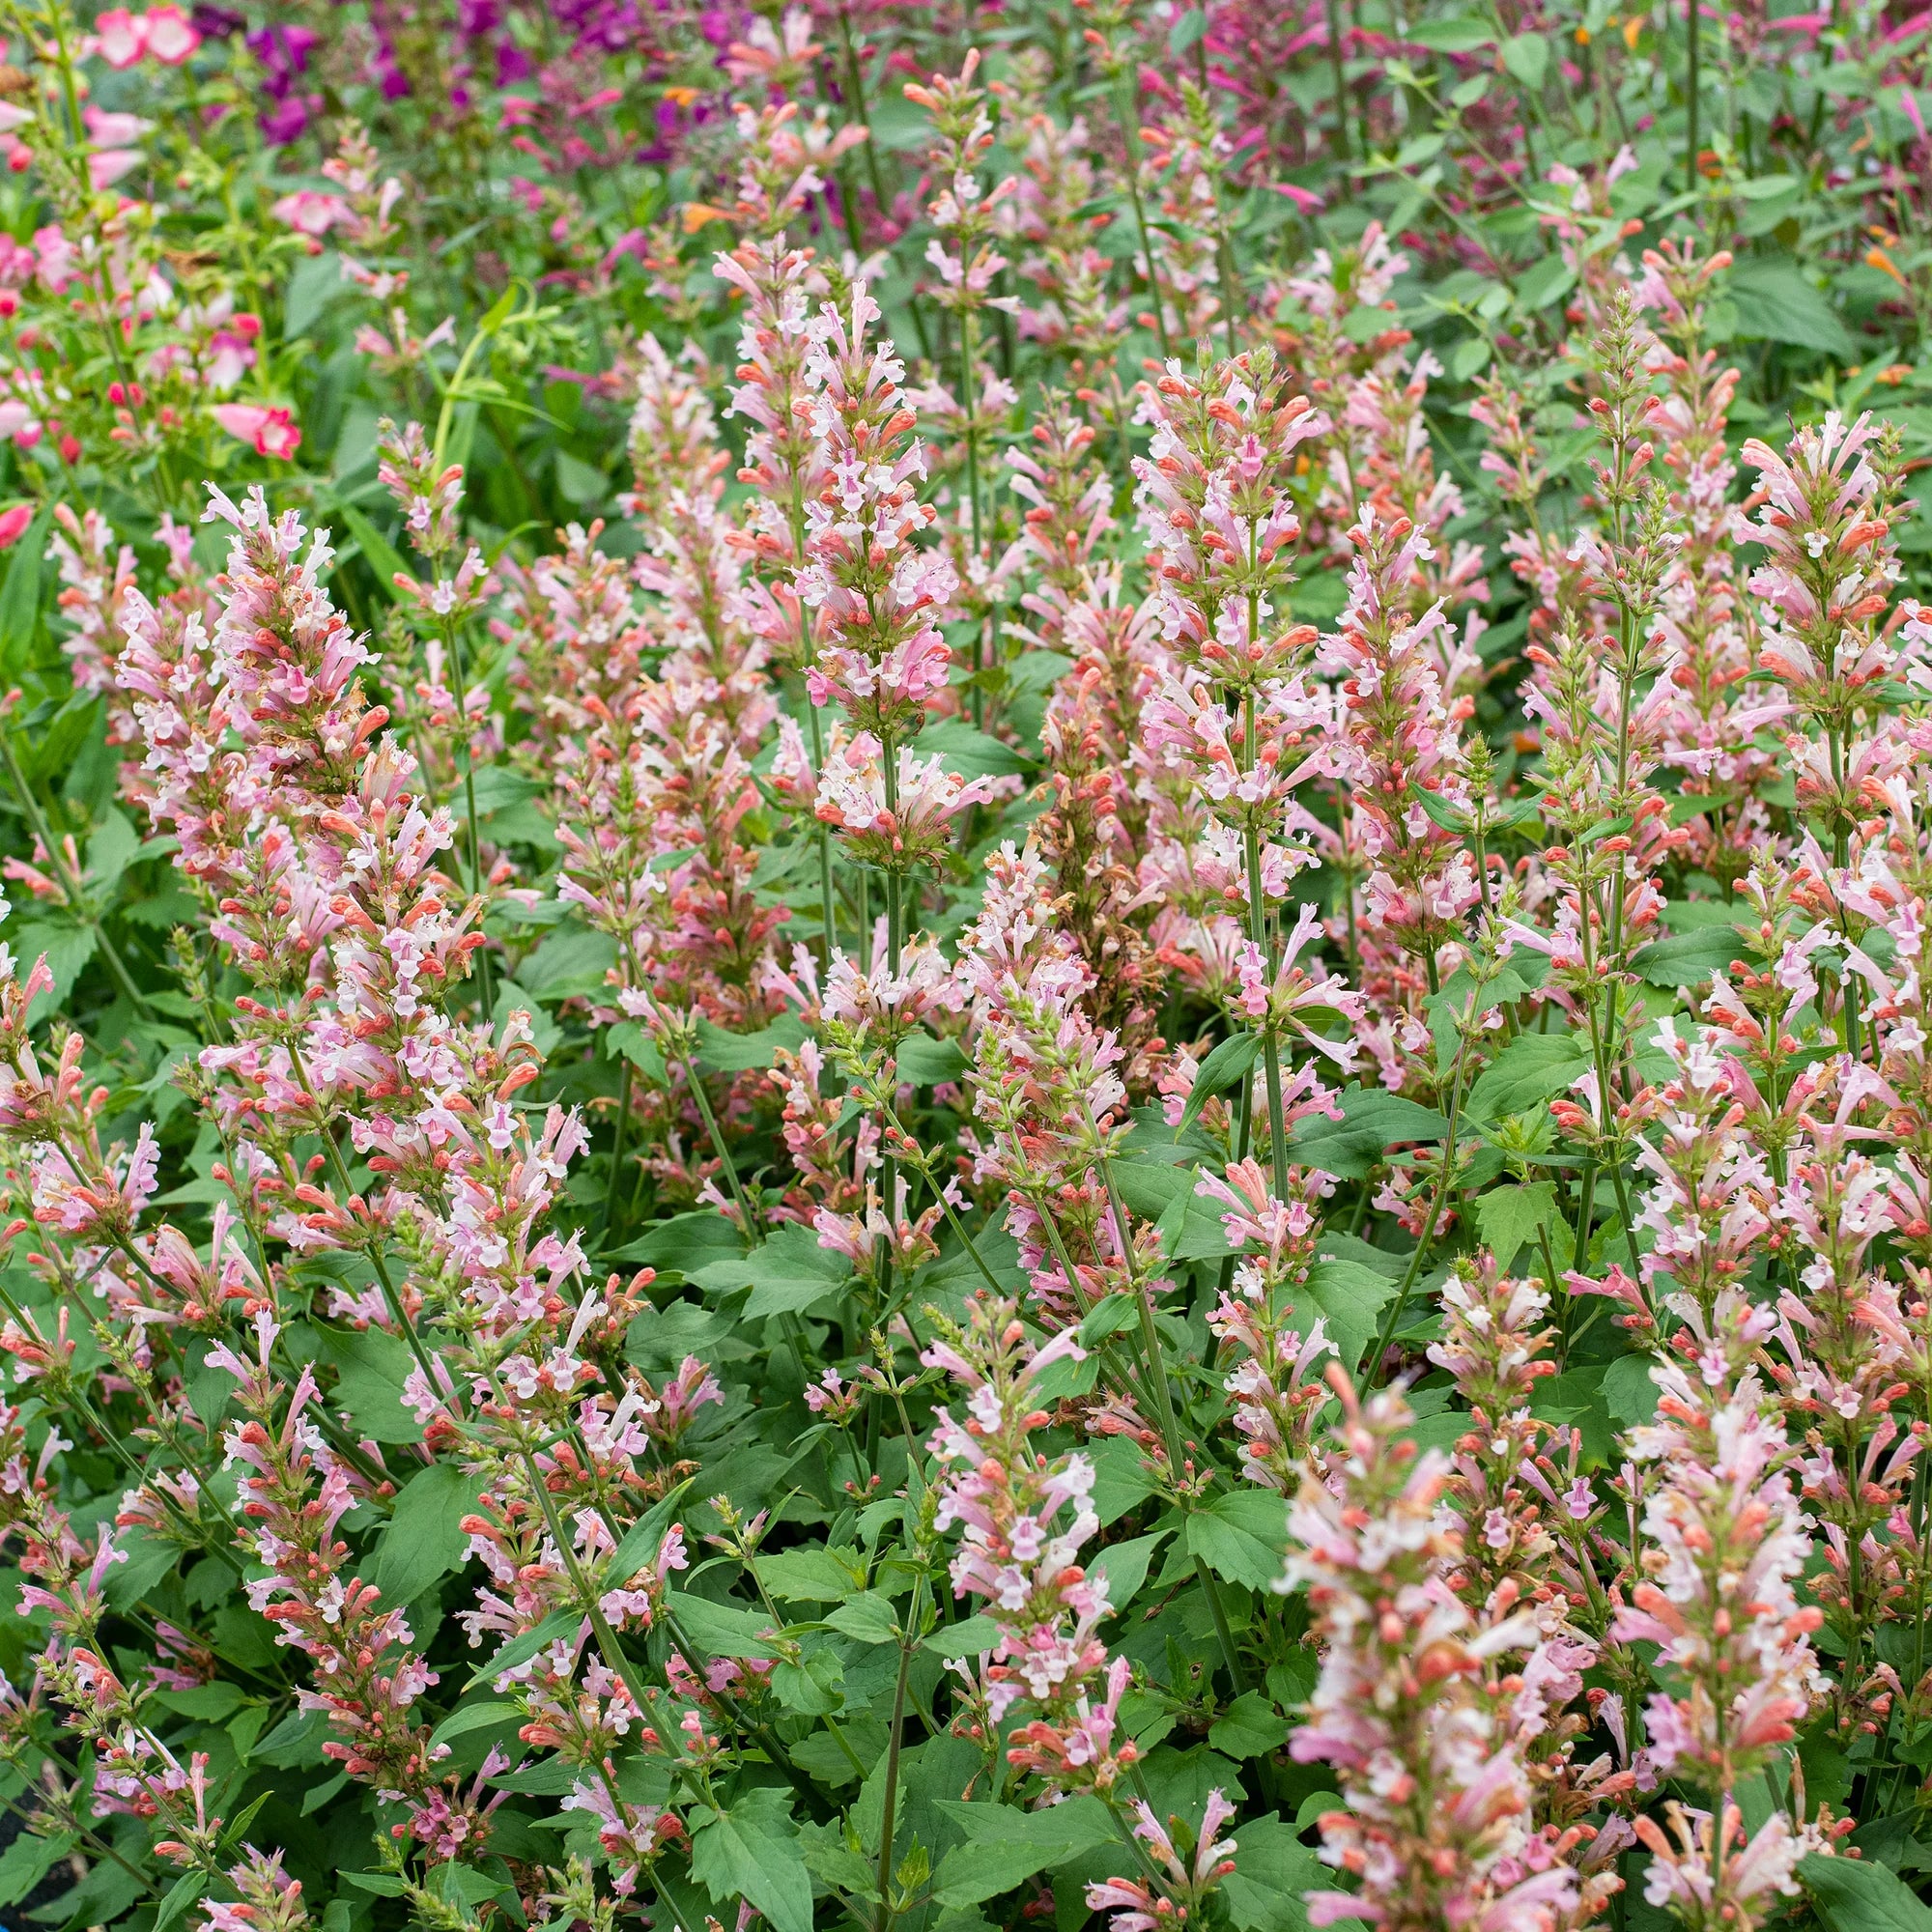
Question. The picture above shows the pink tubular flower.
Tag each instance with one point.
(267, 431)
(164, 33)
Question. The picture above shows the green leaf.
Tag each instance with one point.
(722, 1052)
(1220, 1070)
(720, 1630)
(371, 1367)
(867, 1617)
(1108, 1316)
(1528, 1074)
(183, 1893)
(786, 1274)
(385, 1884)
(1241, 1536)
(558, 1625)
(68, 949)
(1187, 28)
(1857, 1896)
(643, 1539)
(1349, 1294)
(1249, 1727)
(1373, 1121)
(1509, 1218)
(686, 1242)
(1273, 1873)
(926, 1061)
(814, 1573)
(475, 1717)
(1526, 56)
(20, 596)
(1776, 302)
(1688, 958)
(751, 1853)
(1078, 1825)
(381, 556)
(27, 1860)
(1123, 1566)
(425, 1540)
(1628, 1392)
(211, 1702)
(1460, 35)
(111, 847)
(973, 754)
(967, 1638)
(580, 483)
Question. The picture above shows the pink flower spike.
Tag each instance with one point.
(13, 523)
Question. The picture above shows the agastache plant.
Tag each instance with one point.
(964, 975)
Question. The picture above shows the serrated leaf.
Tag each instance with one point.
(1241, 1537)
(371, 1366)
(1861, 1895)
(751, 1853)
(1249, 1727)
(425, 1540)
(1509, 1218)
(786, 1274)
(868, 1617)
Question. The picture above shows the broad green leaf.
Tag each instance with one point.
(111, 848)
(1526, 56)
(973, 754)
(686, 1242)
(425, 1540)
(867, 1617)
(1688, 958)
(1249, 1727)
(1351, 1295)
(967, 1638)
(1776, 302)
(1461, 34)
(786, 1274)
(1628, 1392)
(1861, 1895)
(814, 1573)
(372, 1365)
(1528, 1074)
(1373, 1121)
(722, 1052)
(27, 1860)
(1241, 1536)
(926, 1061)
(751, 1853)
(1273, 1874)
(381, 554)
(1123, 1566)
(719, 1630)
(1509, 1218)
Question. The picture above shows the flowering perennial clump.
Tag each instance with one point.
(964, 970)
